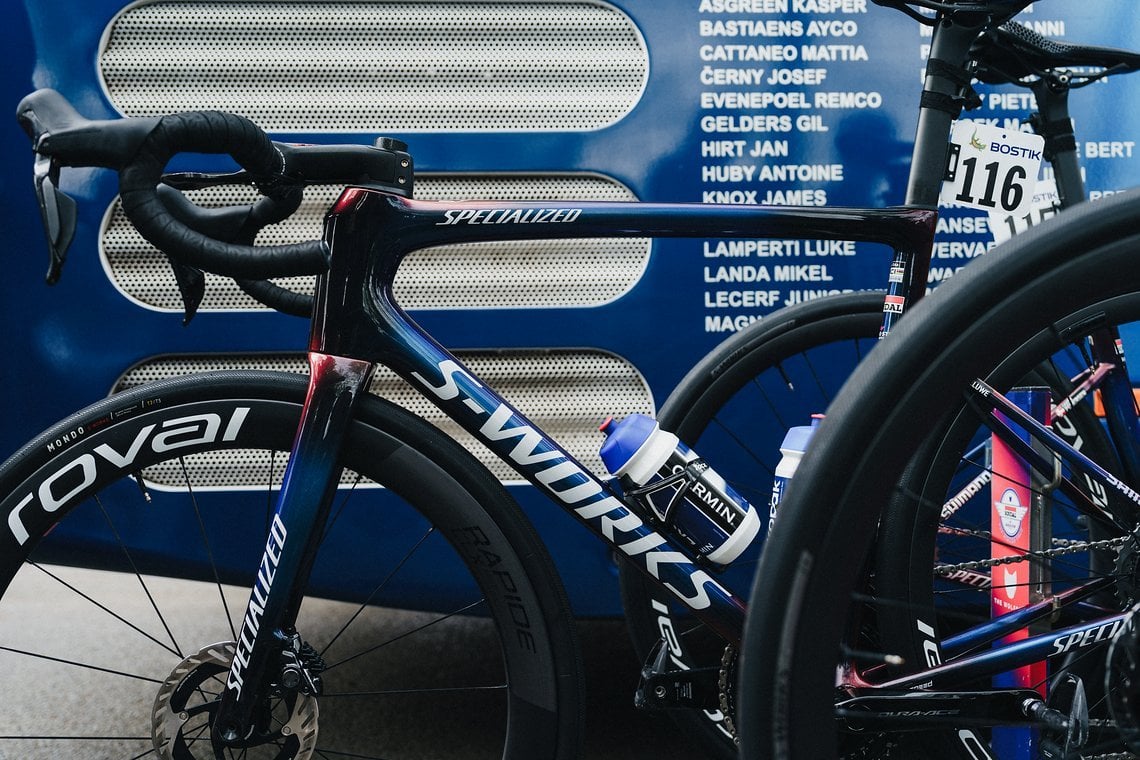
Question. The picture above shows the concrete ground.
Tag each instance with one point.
(615, 730)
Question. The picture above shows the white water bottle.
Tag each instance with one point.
(678, 490)
(792, 450)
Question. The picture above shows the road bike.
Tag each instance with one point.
(866, 667)
(128, 469)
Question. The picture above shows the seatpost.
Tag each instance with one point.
(1052, 122)
(945, 87)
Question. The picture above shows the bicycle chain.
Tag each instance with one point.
(1062, 548)
(1066, 547)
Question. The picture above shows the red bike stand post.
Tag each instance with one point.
(1019, 523)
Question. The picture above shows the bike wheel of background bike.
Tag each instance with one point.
(733, 409)
(934, 556)
(904, 409)
(439, 621)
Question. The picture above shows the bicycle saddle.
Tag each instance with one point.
(1013, 52)
(999, 10)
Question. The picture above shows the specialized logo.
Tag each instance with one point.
(1011, 514)
(1094, 634)
(560, 476)
(259, 595)
(509, 216)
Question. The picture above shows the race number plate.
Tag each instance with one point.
(992, 169)
(1046, 203)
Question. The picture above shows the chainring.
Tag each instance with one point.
(727, 683)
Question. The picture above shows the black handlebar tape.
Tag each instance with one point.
(209, 132)
(278, 298)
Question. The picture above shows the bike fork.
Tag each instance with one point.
(261, 659)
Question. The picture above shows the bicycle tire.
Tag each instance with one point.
(901, 409)
(508, 627)
(734, 408)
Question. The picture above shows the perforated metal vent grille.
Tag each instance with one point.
(566, 393)
(368, 66)
(555, 273)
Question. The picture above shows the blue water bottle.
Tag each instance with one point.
(791, 450)
(678, 490)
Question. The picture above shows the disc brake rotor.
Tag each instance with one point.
(187, 700)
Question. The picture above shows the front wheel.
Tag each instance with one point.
(434, 620)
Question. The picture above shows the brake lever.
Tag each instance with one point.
(58, 211)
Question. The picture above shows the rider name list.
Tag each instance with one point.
(768, 98)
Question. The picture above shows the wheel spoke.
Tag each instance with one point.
(135, 571)
(86, 597)
(207, 546)
(379, 588)
(80, 665)
(393, 639)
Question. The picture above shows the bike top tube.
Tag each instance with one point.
(401, 226)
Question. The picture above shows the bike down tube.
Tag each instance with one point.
(968, 669)
(986, 633)
(984, 397)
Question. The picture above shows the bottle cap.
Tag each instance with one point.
(797, 438)
(624, 439)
